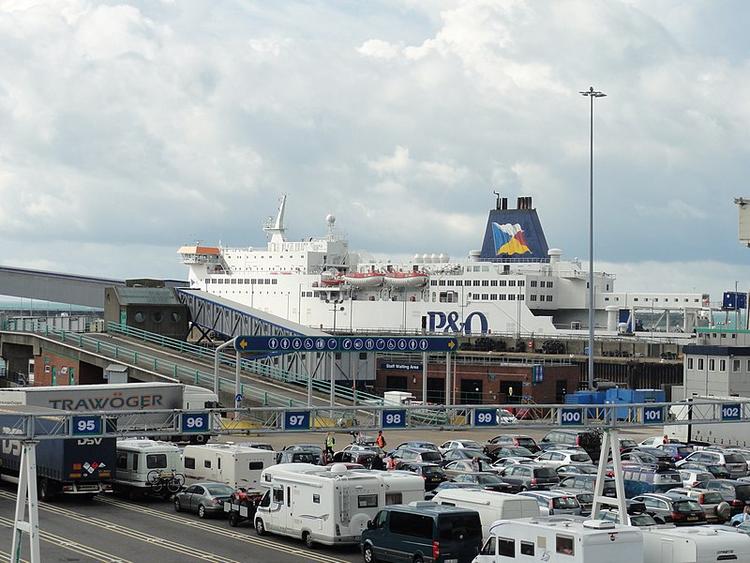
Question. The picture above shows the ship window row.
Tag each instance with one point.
(712, 364)
(533, 283)
(234, 281)
(666, 299)
(484, 283)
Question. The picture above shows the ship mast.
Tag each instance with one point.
(276, 228)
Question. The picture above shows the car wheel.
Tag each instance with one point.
(260, 529)
(234, 519)
(524, 489)
(418, 559)
(368, 554)
(177, 505)
(307, 538)
(201, 511)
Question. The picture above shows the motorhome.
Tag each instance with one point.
(325, 505)
(491, 505)
(694, 545)
(236, 466)
(561, 540)
(148, 467)
(401, 487)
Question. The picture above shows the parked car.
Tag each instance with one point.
(418, 444)
(257, 445)
(418, 455)
(205, 499)
(627, 444)
(638, 517)
(676, 510)
(485, 480)
(588, 483)
(512, 451)
(639, 480)
(553, 503)
(464, 453)
(676, 452)
(503, 462)
(662, 457)
(512, 440)
(504, 416)
(734, 463)
(716, 471)
(363, 457)
(425, 531)
(584, 497)
(655, 441)
(641, 458)
(461, 466)
(693, 477)
(716, 508)
(432, 473)
(577, 469)
(745, 453)
(445, 485)
(558, 458)
(529, 476)
(453, 444)
(312, 454)
(591, 441)
(736, 493)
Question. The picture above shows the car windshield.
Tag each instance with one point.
(565, 502)
(431, 456)
(711, 497)
(580, 458)
(219, 490)
(545, 472)
(471, 444)
(520, 451)
(526, 442)
(585, 498)
(687, 506)
(489, 479)
(642, 520)
(743, 492)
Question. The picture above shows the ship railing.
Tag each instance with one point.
(169, 369)
(255, 367)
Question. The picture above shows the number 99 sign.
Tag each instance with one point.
(194, 422)
(393, 419)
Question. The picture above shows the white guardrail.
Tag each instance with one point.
(15, 423)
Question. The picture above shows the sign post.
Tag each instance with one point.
(345, 344)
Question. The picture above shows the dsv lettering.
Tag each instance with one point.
(438, 321)
(107, 403)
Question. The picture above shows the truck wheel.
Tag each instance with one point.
(418, 559)
(307, 538)
(46, 490)
(259, 527)
(234, 519)
(368, 554)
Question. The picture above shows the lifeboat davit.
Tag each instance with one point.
(364, 279)
(406, 279)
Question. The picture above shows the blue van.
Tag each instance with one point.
(422, 532)
(639, 480)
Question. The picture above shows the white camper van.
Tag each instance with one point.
(236, 466)
(324, 505)
(694, 545)
(557, 540)
(148, 467)
(491, 505)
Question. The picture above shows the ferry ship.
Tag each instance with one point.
(514, 284)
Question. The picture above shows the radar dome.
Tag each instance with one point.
(330, 219)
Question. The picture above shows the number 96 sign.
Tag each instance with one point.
(194, 422)
(393, 419)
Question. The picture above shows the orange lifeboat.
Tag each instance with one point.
(406, 279)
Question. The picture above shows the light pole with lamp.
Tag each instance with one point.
(335, 303)
(591, 94)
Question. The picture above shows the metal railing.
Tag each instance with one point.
(248, 365)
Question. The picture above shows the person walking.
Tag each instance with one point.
(380, 440)
(330, 442)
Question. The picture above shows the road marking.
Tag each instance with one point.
(228, 533)
(5, 556)
(132, 533)
(71, 545)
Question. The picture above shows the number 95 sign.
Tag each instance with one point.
(393, 419)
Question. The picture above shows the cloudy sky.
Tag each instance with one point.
(130, 128)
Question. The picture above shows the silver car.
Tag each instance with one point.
(553, 503)
(204, 498)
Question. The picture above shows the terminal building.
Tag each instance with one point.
(717, 364)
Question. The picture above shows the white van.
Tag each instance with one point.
(324, 505)
(557, 540)
(491, 505)
(148, 467)
(236, 466)
(694, 545)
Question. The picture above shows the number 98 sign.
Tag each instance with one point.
(194, 422)
(393, 419)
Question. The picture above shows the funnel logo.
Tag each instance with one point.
(509, 239)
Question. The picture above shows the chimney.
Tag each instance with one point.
(519, 203)
(505, 203)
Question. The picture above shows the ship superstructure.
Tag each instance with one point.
(514, 284)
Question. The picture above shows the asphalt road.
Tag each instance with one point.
(113, 530)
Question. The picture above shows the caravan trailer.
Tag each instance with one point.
(560, 540)
(236, 466)
(694, 545)
(148, 467)
(491, 505)
(325, 505)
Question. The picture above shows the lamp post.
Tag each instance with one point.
(591, 94)
(332, 396)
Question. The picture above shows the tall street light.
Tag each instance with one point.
(591, 94)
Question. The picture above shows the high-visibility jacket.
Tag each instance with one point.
(330, 442)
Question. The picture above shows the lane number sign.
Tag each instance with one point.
(485, 417)
(653, 415)
(571, 417)
(731, 411)
(393, 419)
(87, 425)
(297, 420)
(194, 422)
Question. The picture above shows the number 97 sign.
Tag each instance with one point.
(393, 419)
